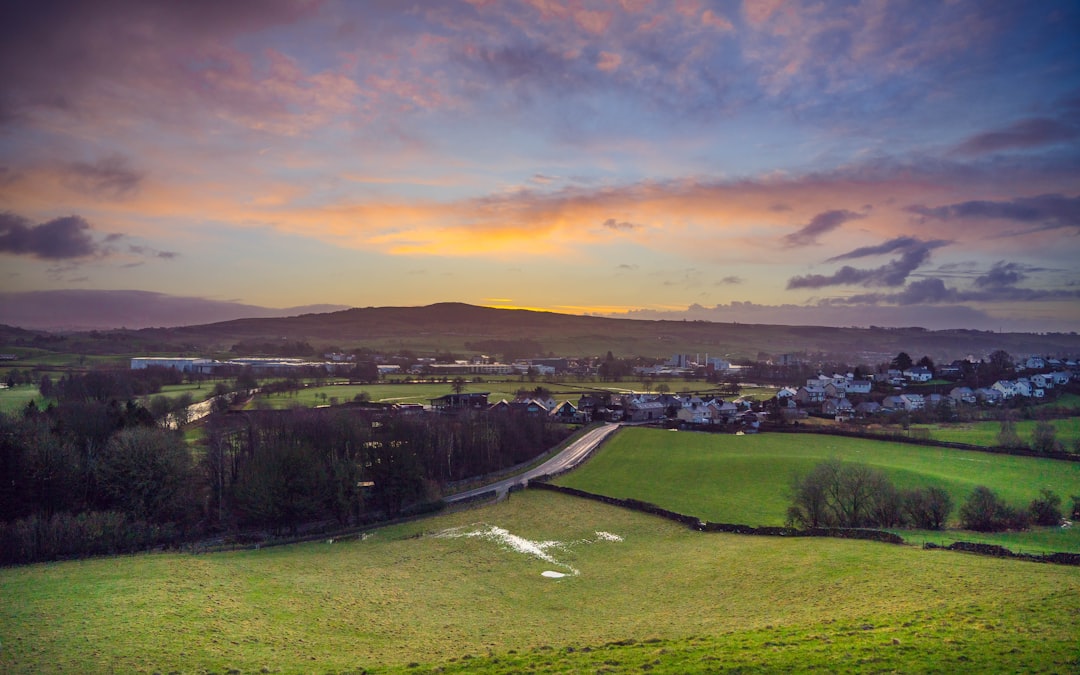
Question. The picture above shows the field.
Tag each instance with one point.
(14, 399)
(425, 595)
(745, 479)
(985, 433)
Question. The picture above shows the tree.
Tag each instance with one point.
(1000, 365)
(901, 362)
(147, 473)
(46, 386)
(983, 511)
(1045, 438)
(458, 384)
(926, 362)
(1046, 508)
(927, 508)
(1007, 436)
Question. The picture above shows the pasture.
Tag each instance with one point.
(453, 593)
(14, 399)
(986, 433)
(746, 479)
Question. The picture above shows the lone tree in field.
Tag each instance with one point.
(1007, 436)
(1045, 438)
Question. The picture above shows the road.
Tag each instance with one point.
(567, 459)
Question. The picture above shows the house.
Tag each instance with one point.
(474, 401)
(913, 401)
(638, 410)
(1043, 381)
(919, 374)
(837, 406)
(833, 390)
(568, 413)
(698, 414)
(989, 395)
(1007, 388)
(859, 386)
(963, 395)
(868, 408)
(810, 395)
(891, 403)
(1060, 377)
(786, 392)
(1035, 363)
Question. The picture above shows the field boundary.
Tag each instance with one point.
(695, 523)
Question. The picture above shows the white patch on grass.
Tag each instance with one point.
(536, 549)
(552, 575)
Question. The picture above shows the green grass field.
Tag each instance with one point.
(14, 399)
(405, 599)
(746, 479)
(985, 433)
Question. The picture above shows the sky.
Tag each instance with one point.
(828, 163)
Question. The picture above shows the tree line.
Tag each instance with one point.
(842, 494)
(94, 475)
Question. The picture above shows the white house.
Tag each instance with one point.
(919, 374)
(963, 395)
(859, 386)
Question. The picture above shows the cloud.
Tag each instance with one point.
(58, 239)
(730, 280)
(890, 246)
(108, 178)
(933, 290)
(1029, 133)
(612, 224)
(819, 225)
(1047, 211)
(1001, 274)
(893, 273)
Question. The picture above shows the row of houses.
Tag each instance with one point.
(687, 408)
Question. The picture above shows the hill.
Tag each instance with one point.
(454, 327)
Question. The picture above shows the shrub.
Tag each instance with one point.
(985, 512)
(1046, 508)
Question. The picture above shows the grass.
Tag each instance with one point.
(677, 600)
(745, 479)
(14, 399)
(986, 433)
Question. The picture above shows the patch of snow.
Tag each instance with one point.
(552, 575)
(607, 536)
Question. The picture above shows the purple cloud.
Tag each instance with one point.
(1049, 211)
(819, 225)
(1029, 133)
(108, 178)
(899, 243)
(613, 224)
(59, 239)
(893, 273)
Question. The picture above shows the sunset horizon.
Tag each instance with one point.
(856, 164)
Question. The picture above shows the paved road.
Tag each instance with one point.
(567, 459)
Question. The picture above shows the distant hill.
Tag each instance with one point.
(465, 329)
(74, 310)
(449, 327)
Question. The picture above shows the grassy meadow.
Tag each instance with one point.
(14, 399)
(647, 594)
(746, 479)
(986, 433)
